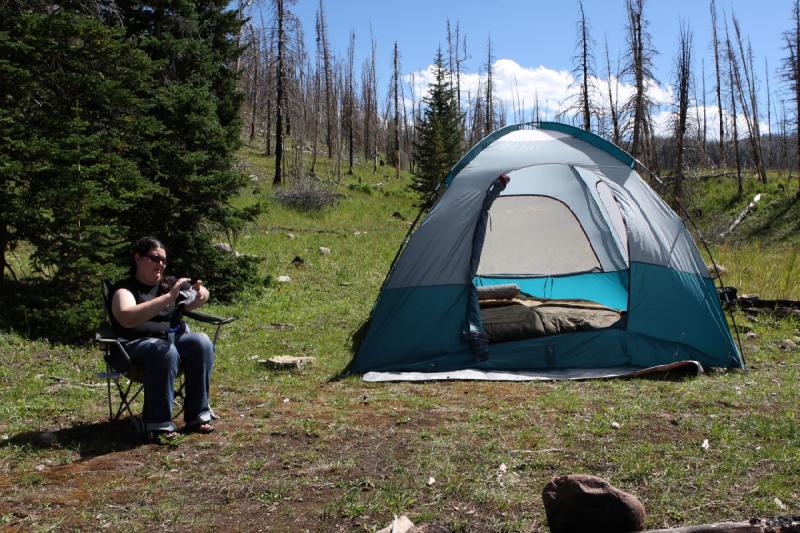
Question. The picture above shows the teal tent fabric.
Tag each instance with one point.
(607, 288)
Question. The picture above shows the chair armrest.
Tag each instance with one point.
(208, 319)
(105, 337)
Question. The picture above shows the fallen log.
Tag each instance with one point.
(778, 524)
(729, 296)
(742, 215)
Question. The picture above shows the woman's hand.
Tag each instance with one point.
(175, 291)
(202, 296)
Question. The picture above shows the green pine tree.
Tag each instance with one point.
(70, 122)
(111, 130)
(189, 155)
(438, 145)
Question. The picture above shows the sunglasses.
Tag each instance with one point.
(155, 258)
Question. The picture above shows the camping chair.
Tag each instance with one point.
(127, 377)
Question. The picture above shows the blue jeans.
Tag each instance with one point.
(160, 359)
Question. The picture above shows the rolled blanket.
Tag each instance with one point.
(498, 292)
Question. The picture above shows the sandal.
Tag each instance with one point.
(164, 436)
(200, 427)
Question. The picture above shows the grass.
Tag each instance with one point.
(296, 451)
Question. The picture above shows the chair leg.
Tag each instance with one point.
(108, 392)
(216, 335)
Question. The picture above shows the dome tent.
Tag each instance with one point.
(562, 214)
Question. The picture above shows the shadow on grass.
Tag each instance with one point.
(90, 440)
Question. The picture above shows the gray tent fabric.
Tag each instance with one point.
(657, 234)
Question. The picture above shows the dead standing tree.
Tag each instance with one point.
(639, 68)
(349, 106)
(746, 85)
(732, 67)
(327, 75)
(683, 71)
(489, 122)
(396, 95)
(715, 42)
(613, 99)
(791, 74)
(584, 69)
(280, 86)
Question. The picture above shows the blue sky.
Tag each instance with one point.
(539, 36)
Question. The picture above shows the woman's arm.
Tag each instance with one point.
(202, 296)
(129, 314)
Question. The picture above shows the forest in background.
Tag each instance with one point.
(321, 101)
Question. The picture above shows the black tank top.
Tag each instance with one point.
(156, 326)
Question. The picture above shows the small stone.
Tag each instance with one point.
(324, 250)
(291, 236)
(286, 400)
(287, 362)
(751, 335)
(4, 437)
(223, 247)
(283, 279)
(713, 271)
(615, 425)
(431, 481)
(356, 233)
(398, 525)
(40, 468)
(705, 444)
(780, 504)
(796, 340)
(787, 345)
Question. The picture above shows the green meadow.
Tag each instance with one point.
(303, 451)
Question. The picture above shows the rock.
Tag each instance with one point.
(298, 261)
(287, 362)
(615, 425)
(751, 335)
(223, 247)
(291, 236)
(589, 503)
(283, 279)
(713, 272)
(705, 444)
(356, 233)
(787, 345)
(431, 481)
(323, 250)
(398, 525)
(796, 339)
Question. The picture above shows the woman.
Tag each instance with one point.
(142, 309)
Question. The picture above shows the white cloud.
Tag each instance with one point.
(516, 85)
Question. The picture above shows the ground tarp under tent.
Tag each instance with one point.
(600, 277)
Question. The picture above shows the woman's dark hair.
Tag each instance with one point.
(142, 247)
